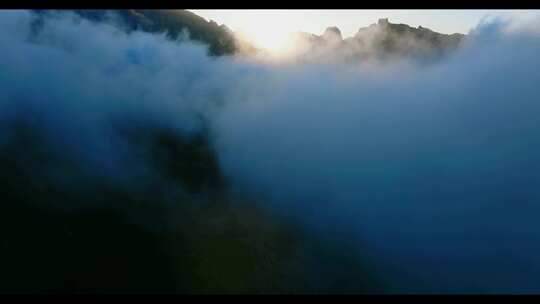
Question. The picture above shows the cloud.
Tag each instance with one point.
(432, 169)
(79, 85)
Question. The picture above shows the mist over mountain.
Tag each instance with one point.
(383, 41)
(111, 183)
(175, 23)
(144, 159)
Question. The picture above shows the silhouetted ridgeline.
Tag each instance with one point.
(175, 23)
(384, 41)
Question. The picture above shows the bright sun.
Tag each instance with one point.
(269, 30)
(271, 41)
(265, 29)
(272, 37)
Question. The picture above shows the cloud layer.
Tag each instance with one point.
(432, 169)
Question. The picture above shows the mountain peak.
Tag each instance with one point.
(332, 34)
(383, 22)
(332, 30)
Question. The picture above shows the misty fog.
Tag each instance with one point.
(430, 171)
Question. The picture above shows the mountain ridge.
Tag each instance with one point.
(382, 40)
(219, 38)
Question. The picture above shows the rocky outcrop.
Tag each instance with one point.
(390, 40)
(382, 41)
(332, 34)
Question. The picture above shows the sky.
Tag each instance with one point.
(269, 28)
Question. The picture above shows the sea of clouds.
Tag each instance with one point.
(433, 169)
